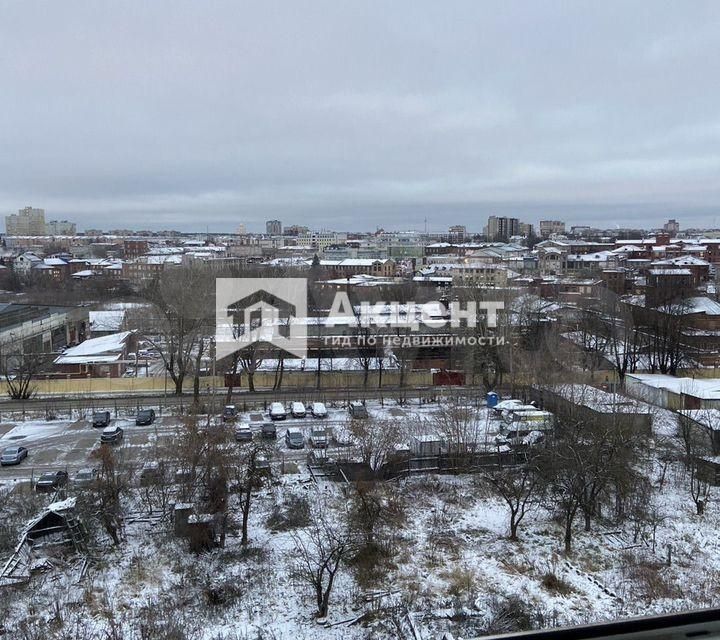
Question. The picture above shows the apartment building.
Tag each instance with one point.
(319, 240)
(273, 227)
(552, 227)
(499, 228)
(30, 221)
(26, 222)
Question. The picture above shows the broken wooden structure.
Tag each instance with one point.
(58, 526)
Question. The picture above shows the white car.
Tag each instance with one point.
(277, 411)
(318, 410)
(297, 409)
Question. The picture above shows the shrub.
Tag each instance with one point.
(552, 582)
(510, 615)
(292, 513)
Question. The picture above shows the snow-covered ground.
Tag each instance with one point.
(451, 565)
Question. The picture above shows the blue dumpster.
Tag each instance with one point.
(492, 399)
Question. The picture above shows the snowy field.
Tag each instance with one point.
(447, 563)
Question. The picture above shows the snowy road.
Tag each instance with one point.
(68, 445)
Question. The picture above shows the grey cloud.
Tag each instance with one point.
(186, 114)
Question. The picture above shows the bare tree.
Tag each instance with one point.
(20, 371)
(376, 440)
(625, 340)
(518, 488)
(584, 464)
(179, 317)
(665, 327)
(373, 506)
(459, 423)
(699, 486)
(107, 492)
(248, 478)
(594, 340)
(696, 446)
(321, 551)
(250, 359)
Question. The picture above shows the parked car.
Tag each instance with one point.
(294, 439)
(101, 419)
(277, 411)
(48, 482)
(262, 466)
(229, 413)
(243, 432)
(150, 473)
(111, 435)
(268, 431)
(85, 477)
(357, 410)
(13, 455)
(319, 438)
(184, 476)
(145, 417)
(318, 410)
(298, 410)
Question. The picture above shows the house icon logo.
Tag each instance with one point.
(265, 312)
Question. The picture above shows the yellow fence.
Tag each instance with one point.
(263, 380)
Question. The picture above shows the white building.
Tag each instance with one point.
(26, 222)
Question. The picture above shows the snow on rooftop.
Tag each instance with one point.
(705, 388)
(703, 304)
(100, 350)
(599, 400)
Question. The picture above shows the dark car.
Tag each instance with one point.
(243, 432)
(150, 474)
(229, 413)
(85, 478)
(357, 410)
(294, 439)
(101, 419)
(269, 431)
(145, 417)
(13, 455)
(111, 435)
(48, 482)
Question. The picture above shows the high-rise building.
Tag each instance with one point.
(672, 227)
(457, 233)
(501, 228)
(551, 227)
(26, 222)
(273, 227)
(526, 229)
(241, 230)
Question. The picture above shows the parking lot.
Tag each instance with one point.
(65, 444)
(68, 445)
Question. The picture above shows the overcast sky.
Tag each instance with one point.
(353, 115)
